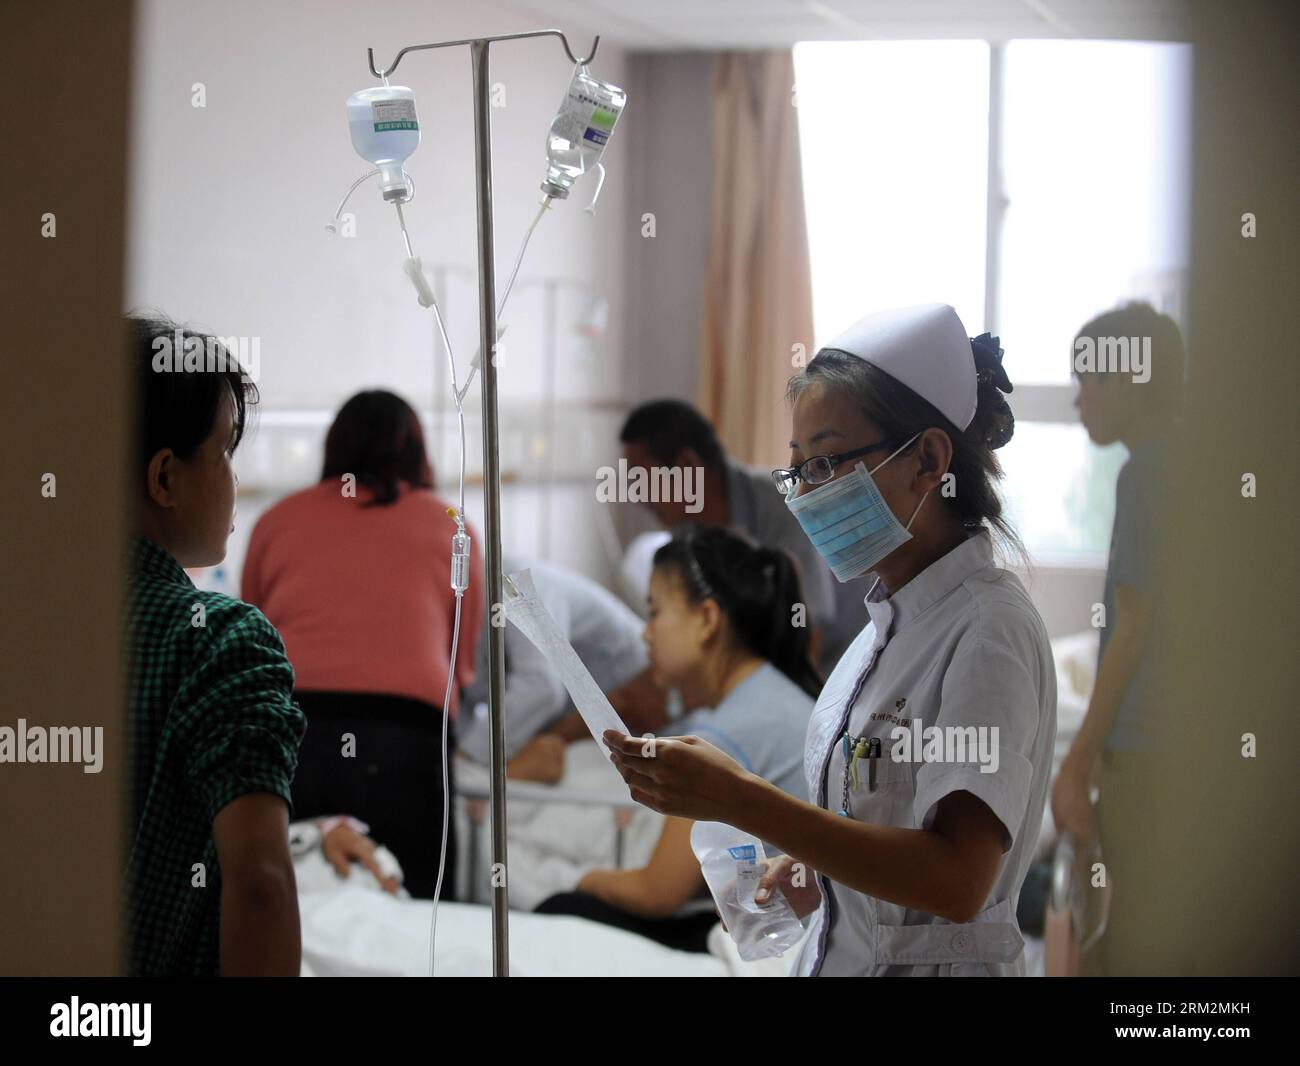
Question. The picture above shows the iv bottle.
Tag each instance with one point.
(588, 112)
(385, 132)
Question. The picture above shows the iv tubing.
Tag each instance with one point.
(351, 189)
(460, 594)
(523, 247)
(446, 805)
(457, 393)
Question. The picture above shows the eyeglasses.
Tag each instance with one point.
(819, 469)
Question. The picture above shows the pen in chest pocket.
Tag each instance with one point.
(855, 749)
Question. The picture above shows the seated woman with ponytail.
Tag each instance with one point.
(727, 628)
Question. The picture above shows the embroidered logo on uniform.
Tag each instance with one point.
(897, 717)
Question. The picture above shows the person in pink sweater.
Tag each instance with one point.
(355, 573)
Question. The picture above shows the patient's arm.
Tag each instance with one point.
(570, 728)
(659, 889)
(541, 759)
(641, 703)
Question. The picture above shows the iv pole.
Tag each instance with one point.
(478, 47)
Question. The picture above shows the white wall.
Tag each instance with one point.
(227, 218)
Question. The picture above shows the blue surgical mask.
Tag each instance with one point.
(849, 522)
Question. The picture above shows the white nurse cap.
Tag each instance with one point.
(926, 348)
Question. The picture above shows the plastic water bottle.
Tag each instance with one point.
(731, 863)
(385, 132)
(581, 130)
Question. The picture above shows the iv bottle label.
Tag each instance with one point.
(599, 125)
(585, 119)
(393, 115)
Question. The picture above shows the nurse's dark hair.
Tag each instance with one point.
(177, 408)
(900, 412)
(756, 588)
(376, 437)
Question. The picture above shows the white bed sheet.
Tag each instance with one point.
(354, 932)
(351, 928)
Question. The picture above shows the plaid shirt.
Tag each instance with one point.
(211, 718)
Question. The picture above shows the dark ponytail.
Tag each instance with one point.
(756, 588)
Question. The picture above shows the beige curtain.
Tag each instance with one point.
(758, 291)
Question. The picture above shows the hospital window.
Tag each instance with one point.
(1032, 185)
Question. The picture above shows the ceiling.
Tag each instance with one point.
(713, 25)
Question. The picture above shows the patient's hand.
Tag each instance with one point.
(343, 846)
(541, 759)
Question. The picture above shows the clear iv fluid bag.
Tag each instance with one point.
(588, 112)
(385, 132)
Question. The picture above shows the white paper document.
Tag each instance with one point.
(525, 609)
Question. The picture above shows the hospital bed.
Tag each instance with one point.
(353, 928)
(557, 832)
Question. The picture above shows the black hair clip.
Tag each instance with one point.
(987, 350)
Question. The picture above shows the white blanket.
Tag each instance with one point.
(354, 932)
(351, 928)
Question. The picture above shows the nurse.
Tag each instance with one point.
(910, 857)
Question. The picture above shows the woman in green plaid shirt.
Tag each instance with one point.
(214, 730)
